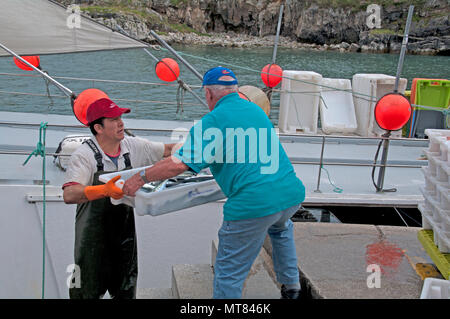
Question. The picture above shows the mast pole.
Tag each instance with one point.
(397, 79)
(277, 36)
(403, 49)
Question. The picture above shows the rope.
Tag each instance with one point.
(180, 97)
(47, 86)
(400, 215)
(268, 91)
(362, 96)
(356, 95)
(94, 80)
(259, 72)
(335, 189)
(123, 100)
(40, 151)
(446, 111)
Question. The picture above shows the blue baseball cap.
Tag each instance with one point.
(219, 76)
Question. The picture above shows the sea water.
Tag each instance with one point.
(160, 101)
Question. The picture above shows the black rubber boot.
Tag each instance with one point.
(290, 294)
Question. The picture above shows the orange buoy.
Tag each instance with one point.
(392, 111)
(271, 75)
(84, 100)
(32, 59)
(167, 70)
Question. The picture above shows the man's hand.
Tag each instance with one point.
(170, 149)
(132, 185)
(164, 169)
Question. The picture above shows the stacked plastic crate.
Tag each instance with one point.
(436, 206)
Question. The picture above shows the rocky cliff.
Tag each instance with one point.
(322, 24)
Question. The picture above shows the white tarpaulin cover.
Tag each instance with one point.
(33, 27)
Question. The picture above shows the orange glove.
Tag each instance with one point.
(106, 190)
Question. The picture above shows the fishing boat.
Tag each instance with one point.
(335, 160)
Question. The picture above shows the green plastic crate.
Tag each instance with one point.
(431, 92)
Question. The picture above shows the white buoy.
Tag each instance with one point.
(257, 96)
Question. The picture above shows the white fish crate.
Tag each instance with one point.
(444, 218)
(441, 239)
(299, 102)
(434, 288)
(435, 208)
(432, 165)
(169, 199)
(437, 220)
(439, 144)
(337, 110)
(443, 196)
(431, 184)
(447, 170)
(427, 217)
(429, 197)
(441, 171)
(445, 150)
(376, 86)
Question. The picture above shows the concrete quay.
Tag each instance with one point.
(349, 261)
(336, 261)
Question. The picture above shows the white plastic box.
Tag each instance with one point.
(447, 169)
(437, 137)
(444, 196)
(442, 239)
(368, 89)
(439, 152)
(434, 288)
(337, 112)
(299, 102)
(436, 206)
(169, 199)
(431, 184)
(441, 170)
(427, 218)
(445, 150)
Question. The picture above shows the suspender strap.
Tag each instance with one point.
(99, 158)
(126, 157)
(97, 154)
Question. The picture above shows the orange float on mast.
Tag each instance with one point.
(167, 70)
(271, 75)
(32, 59)
(84, 100)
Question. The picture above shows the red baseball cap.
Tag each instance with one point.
(104, 108)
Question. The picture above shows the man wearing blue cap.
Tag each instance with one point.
(263, 190)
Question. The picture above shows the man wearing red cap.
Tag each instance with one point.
(105, 237)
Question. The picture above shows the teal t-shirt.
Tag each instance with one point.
(238, 143)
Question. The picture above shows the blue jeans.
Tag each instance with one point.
(240, 242)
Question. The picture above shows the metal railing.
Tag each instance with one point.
(288, 136)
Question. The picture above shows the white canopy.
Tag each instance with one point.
(33, 27)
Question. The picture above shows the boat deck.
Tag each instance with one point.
(345, 180)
